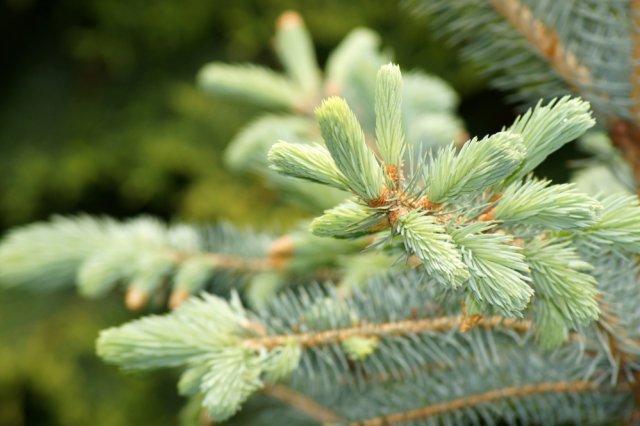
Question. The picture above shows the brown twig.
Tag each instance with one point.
(545, 40)
(277, 258)
(398, 328)
(302, 403)
(625, 135)
(609, 325)
(483, 398)
(404, 373)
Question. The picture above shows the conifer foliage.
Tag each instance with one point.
(289, 99)
(446, 284)
(543, 49)
(485, 235)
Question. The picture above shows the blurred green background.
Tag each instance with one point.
(99, 113)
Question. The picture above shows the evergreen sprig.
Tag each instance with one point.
(508, 266)
(424, 106)
(150, 258)
(551, 48)
(466, 215)
(344, 355)
(542, 49)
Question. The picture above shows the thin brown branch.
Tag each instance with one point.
(545, 41)
(398, 328)
(617, 339)
(240, 263)
(278, 254)
(277, 258)
(397, 374)
(625, 135)
(609, 325)
(483, 398)
(230, 262)
(302, 403)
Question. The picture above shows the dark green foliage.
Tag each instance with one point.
(49, 374)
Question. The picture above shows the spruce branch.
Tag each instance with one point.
(473, 400)
(351, 73)
(623, 351)
(397, 350)
(444, 209)
(219, 342)
(551, 48)
(146, 256)
(621, 347)
(398, 328)
(399, 359)
(492, 40)
(545, 40)
(616, 328)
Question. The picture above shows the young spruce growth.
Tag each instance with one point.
(521, 255)
(473, 217)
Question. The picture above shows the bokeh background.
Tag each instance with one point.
(99, 113)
